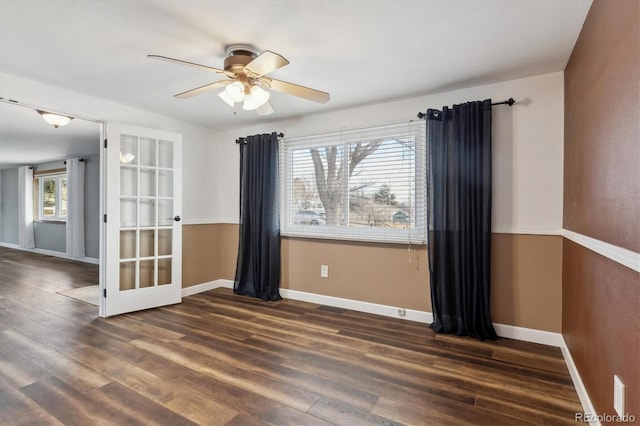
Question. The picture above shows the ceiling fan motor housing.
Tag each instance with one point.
(237, 58)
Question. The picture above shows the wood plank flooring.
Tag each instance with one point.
(221, 359)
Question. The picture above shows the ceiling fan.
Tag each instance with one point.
(246, 81)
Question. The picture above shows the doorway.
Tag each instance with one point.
(27, 140)
(139, 190)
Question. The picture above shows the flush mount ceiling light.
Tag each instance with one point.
(246, 70)
(126, 157)
(56, 120)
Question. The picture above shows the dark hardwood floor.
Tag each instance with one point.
(221, 359)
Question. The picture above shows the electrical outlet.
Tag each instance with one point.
(401, 312)
(618, 395)
(324, 271)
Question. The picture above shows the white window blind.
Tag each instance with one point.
(366, 184)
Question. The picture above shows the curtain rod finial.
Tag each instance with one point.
(421, 115)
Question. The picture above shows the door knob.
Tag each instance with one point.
(177, 218)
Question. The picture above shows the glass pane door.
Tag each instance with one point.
(146, 193)
(148, 225)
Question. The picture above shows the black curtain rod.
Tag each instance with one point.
(81, 160)
(240, 140)
(509, 102)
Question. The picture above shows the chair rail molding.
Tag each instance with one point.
(623, 256)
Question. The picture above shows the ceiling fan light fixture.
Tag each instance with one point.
(256, 98)
(246, 69)
(225, 97)
(259, 95)
(249, 103)
(56, 120)
(235, 91)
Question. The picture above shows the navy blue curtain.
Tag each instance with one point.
(459, 218)
(258, 264)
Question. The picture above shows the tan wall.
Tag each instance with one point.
(526, 272)
(387, 274)
(208, 253)
(229, 235)
(200, 254)
(601, 298)
(526, 281)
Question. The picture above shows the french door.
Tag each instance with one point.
(143, 231)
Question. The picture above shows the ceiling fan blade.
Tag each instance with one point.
(265, 63)
(297, 90)
(181, 62)
(202, 89)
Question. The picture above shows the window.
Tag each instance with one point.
(366, 184)
(52, 196)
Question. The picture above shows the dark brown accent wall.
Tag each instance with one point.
(602, 125)
(601, 298)
(601, 324)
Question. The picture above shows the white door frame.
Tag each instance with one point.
(166, 208)
(103, 225)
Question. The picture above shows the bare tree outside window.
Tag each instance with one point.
(330, 171)
(49, 197)
(344, 183)
(304, 192)
(385, 196)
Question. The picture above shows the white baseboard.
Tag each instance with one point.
(587, 407)
(356, 305)
(225, 283)
(529, 334)
(502, 330)
(53, 253)
(66, 256)
(11, 246)
(211, 285)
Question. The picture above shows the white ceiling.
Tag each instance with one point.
(26, 139)
(361, 52)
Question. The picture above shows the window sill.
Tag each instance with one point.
(54, 222)
(377, 239)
